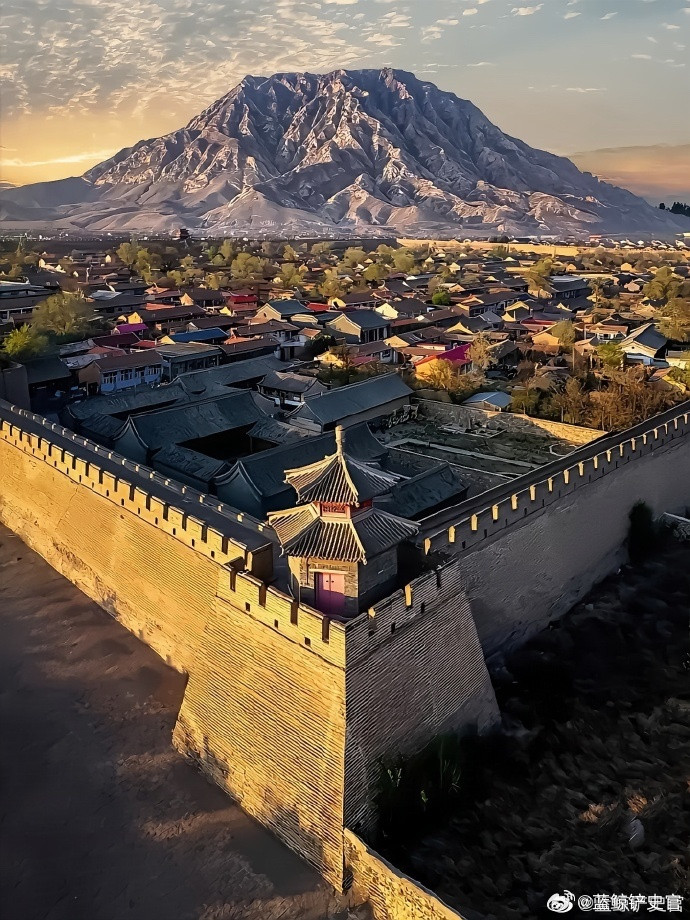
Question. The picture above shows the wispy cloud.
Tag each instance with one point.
(526, 10)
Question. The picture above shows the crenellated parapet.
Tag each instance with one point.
(486, 516)
(199, 521)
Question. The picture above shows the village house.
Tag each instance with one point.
(239, 348)
(112, 373)
(645, 345)
(494, 302)
(356, 300)
(289, 390)
(367, 401)
(406, 308)
(281, 310)
(164, 319)
(183, 357)
(17, 300)
(494, 401)
(360, 326)
(569, 287)
(211, 335)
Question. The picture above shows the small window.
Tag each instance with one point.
(307, 640)
(247, 606)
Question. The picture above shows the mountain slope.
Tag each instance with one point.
(361, 151)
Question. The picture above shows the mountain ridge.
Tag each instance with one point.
(361, 151)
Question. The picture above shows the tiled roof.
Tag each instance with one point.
(347, 401)
(302, 532)
(339, 478)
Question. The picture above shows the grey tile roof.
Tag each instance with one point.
(266, 469)
(189, 461)
(339, 404)
(339, 478)
(195, 420)
(292, 383)
(302, 532)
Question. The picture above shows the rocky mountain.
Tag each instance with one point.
(361, 151)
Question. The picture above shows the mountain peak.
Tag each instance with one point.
(364, 151)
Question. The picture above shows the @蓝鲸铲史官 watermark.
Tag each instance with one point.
(611, 903)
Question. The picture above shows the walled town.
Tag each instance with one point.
(397, 510)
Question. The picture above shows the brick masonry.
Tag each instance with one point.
(390, 894)
(286, 710)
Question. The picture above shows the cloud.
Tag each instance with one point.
(483, 64)
(608, 16)
(584, 89)
(472, 11)
(526, 10)
(571, 15)
(17, 162)
(641, 57)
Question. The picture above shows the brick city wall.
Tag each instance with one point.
(390, 894)
(263, 712)
(525, 553)
(414, 670)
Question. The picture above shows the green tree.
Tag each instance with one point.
(441, 298)
(320, 249)
(24, 343)
(403, 261)
(539, 276)
(674, 321)
(246, 266)
(500, 252)
(597, 286)
(331, 286)
(480, 353)
(353, 256)
(664, 286)
(290, 275)
(375, 272)
(572, 403)
(63, 314)
(128, 253)
(564, 332)
(216, 280)
(226, 251)
(610, 354)
(290, 254)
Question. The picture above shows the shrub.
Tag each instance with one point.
(642, 533)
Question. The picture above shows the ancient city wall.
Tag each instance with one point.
(450, 414)
(414, 670)
(263, 713)
(390, 894)
(526, 556)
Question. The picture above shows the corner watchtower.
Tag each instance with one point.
(342, 550)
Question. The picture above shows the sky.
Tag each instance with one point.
(80, 79)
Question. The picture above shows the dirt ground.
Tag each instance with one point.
(100, 819)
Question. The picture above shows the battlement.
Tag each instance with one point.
(209, 526)
(234, 540)
(487, 515)
(291, 620)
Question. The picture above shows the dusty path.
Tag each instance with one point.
(99, 818)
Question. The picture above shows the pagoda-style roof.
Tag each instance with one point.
(340, 478)
(304, 532)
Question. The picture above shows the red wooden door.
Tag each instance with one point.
(330, 592)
